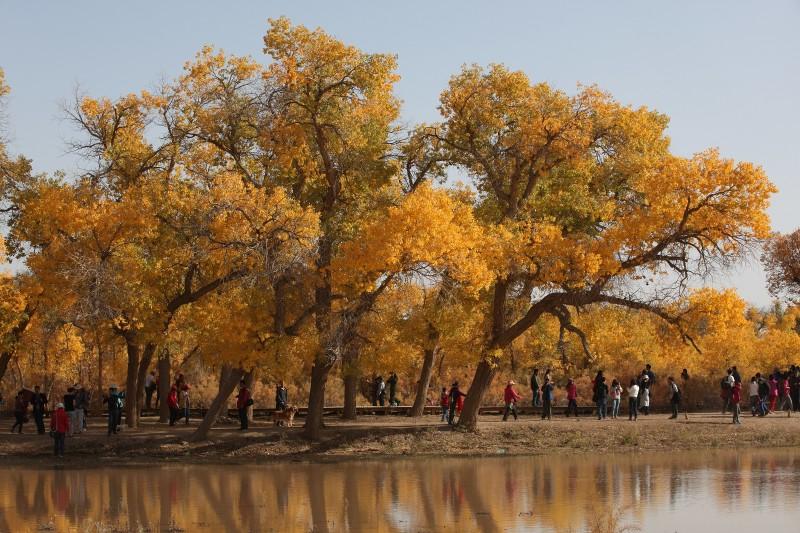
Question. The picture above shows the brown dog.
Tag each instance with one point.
(285, 417)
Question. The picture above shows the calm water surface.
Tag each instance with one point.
(698, 491)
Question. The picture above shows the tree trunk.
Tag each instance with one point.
(5, 357)
(316, 400)
(351, 377)
(231, 379)
(141, 375)
(351, 381)
(418, 409)
(131, 408)
(480, 384)
(164, 384)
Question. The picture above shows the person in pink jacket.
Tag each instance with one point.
(510, 397)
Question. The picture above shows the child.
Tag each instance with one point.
(572, 398)
(736, 398)
(444, 402)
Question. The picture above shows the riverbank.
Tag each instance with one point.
(379, 437)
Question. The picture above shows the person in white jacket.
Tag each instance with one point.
(633, 401)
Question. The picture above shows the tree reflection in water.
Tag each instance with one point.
(487, 494)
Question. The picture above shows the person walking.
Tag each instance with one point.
(81, 404)
(114, 401)
(444, 403)
(455, 397)
(763, 394)
(535, 388)
(172, 403)
(615, 393)
(39, 405)
(644, 395)
(736, 399)
(773, 393)
(600, 395)
(20, 411)
(184, 401)
(794, 385)
(510, 397)
(633, 400)
(69, 407)
(59, 426)
(281, 397)
(392, 382)
(381, 391)
(754, 399)
(572, 398)
(243, 401)
(150, 388)
(786, 395)
(548, 394)
(726, 385)
(674, 397)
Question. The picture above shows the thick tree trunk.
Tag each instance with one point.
(351, 382)
(164, 383)
(231, 379)
(418, 409)
(480, 384)
(316, 400)
(141, 375)
(131, 409)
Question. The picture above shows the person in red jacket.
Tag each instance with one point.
(572, 398)
(172, 403)
(444, 403)
(242, 402)
(59, 425)
(736, 398)
(510, 397)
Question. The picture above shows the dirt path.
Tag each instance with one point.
(380, 436)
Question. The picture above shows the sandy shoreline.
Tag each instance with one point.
(376, 437)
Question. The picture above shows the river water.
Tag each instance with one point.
(685, 492)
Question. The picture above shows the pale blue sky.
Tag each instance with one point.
(727, 73)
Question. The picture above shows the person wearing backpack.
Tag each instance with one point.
(675, 397)
(114, 401)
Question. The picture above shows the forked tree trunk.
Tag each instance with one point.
(316, 400)
(227, 385)
(144, 365)
(131, 410)
(480, 384)
(418, 409)
(164, 384)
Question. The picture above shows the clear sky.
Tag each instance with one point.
(727, 73)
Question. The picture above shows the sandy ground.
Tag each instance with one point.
(394, 436)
